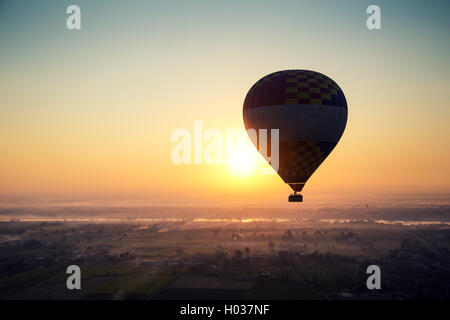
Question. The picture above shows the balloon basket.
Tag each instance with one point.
(295, 198)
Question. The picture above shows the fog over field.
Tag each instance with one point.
(134, 250)
(410, 207)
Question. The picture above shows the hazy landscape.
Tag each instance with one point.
(147, 252)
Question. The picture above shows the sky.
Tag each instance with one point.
(90, 112)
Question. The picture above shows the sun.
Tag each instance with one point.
(242, 160)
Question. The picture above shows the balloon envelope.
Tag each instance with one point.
(310, 111)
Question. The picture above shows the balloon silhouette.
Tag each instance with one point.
(310, 111)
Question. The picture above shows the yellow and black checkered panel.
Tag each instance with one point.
(294, 87)
(299, 159)
(307, 87)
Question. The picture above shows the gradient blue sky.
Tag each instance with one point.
(92, 110)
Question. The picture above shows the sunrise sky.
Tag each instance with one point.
(90, 112)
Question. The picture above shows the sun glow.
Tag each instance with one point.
(243, 160)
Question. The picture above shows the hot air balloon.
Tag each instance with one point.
(310, 111)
